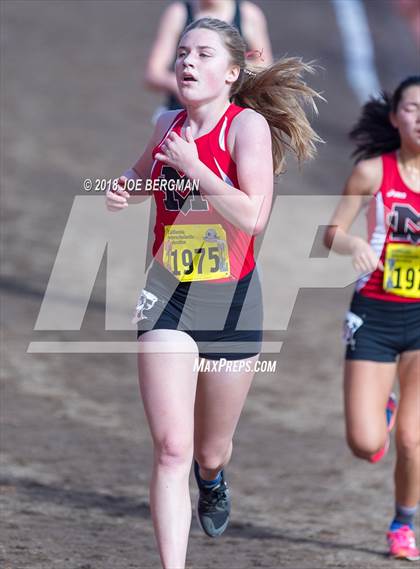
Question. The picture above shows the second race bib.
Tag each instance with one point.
(402, 270)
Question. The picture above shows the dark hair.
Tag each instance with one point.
(374, 133)
(277, 92)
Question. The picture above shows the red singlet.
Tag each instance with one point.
(394, 233)
(192, 240)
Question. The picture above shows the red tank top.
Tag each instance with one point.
(193, 240)
(393, 217)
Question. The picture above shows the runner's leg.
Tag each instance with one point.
(220, 399)
(367, 386)
(168, 385)
(407, 472)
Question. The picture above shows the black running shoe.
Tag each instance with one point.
(213, 508)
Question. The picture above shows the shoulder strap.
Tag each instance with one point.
(181, 115)
(389, 169)
(177, 119)
(220, 133)
(190, 15)
(233, 110)
(389, 164)
(237, 18)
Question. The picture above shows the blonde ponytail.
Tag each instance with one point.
(277, 92)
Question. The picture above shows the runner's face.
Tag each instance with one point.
(407, 117)
(203, 69)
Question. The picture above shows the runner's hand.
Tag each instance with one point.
(117, 199)
(365, 260)
(177, 152)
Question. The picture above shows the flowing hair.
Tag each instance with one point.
(277, 92)
(374, 134)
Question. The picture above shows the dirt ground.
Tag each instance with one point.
(76, 453)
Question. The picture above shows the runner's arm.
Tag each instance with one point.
(363, 182)
(142, 168)
(250, 208)
(159, 75)
(255, 32)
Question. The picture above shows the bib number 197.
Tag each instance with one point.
(402, 270)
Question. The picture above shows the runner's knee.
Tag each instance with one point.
(173, 452)
(213, 458)
(365, 446)
(408, 444)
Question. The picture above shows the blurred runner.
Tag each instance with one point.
(202, 303)
(359, 52)
(382, 328)
(246, 16)
(410, 10)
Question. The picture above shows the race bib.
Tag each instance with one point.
(402, 270)
(196, 252)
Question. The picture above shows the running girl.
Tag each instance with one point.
(383, 324)
(246, 16)
(202, 297)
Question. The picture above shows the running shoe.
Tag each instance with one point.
(402, 544)
(213, 507)
(391, 408)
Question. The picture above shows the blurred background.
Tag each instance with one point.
(75, 449)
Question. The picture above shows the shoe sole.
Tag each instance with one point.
(404, 558)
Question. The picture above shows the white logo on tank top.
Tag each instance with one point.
(396, 194)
